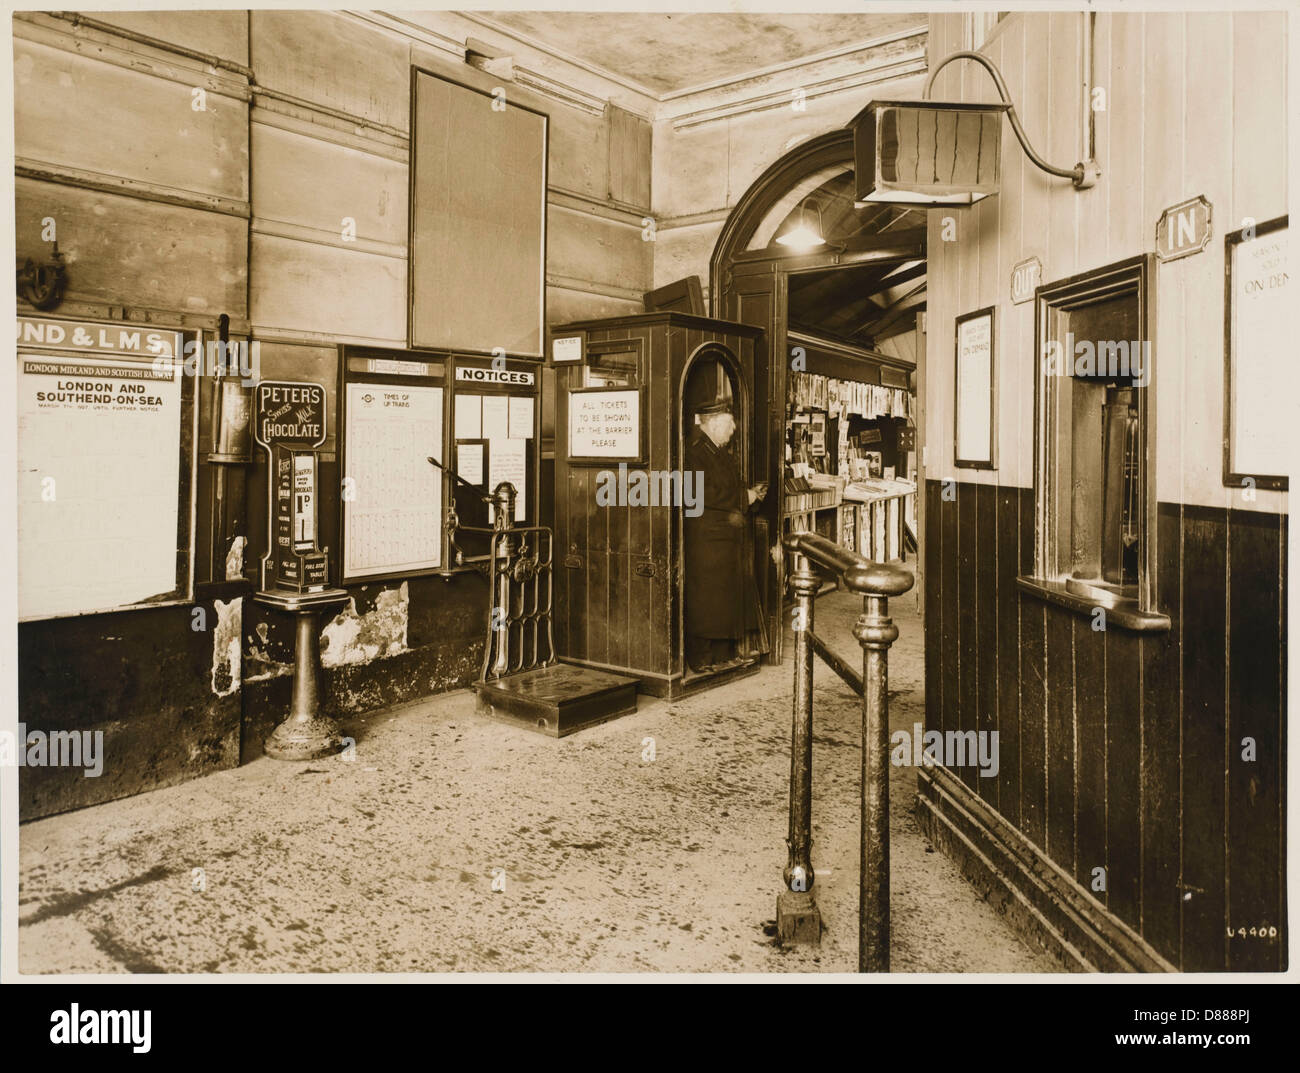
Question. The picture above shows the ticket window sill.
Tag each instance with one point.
(1085, 599)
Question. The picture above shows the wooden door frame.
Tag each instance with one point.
(732, 262)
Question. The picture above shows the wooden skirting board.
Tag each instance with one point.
(1046, 906)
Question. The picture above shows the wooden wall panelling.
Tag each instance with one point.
(987, 622)
(1090, 714)
(1123, 777)
(1259, 116)
(1033, 712)
(1254, 711)
(1008, 652)
(1128, 229)
(968, 646)
(629, 158)
(1163, 788)
(935, 655)
(1061, 738)
(950, 704)
(1201, 579)
(1061, 110)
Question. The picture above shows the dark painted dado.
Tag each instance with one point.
(148, 681)
(1122, 750)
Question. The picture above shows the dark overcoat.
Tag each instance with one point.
(720, 594)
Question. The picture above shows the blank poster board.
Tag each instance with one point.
(974, 395)
(392, 521)
(478, 220)
(1259, 410)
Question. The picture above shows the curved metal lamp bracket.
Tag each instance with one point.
(1083, 174)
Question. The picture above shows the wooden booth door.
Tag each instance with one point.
(757, 297)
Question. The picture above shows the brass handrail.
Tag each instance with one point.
(798, 917)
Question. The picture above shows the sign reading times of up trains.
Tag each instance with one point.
(289, 414)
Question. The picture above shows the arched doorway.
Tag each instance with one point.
(713, 372)
(860, 289)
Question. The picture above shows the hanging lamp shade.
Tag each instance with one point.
(927, 153)
(804, 231)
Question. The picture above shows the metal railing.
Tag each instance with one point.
(519, 569)
(798, 918)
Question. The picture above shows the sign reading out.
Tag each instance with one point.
(1025, 277)
(605, 424)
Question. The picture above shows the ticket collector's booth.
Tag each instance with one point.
(627, 389)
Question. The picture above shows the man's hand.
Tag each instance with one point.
(759, 491)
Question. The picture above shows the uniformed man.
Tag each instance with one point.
(721, 595)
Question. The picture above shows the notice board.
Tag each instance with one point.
(1259, 411)
(477, 219)
(605, 425)
(392, 501)
(100, 481)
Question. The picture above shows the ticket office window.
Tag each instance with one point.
(616, 364)
(1094, 478)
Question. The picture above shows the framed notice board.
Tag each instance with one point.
(1259, 356)
(106, 467)
(477, 220)
(393, 420)
(974, 389)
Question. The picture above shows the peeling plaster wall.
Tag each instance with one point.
(354, 638)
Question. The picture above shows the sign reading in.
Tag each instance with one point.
(289, 414)
(1184, 229)
(1025, 278)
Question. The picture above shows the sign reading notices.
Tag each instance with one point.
(99, 480)
(605, 424)
(392, 521)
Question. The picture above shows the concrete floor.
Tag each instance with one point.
(611, 863)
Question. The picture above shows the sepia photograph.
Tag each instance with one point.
(747, 492)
